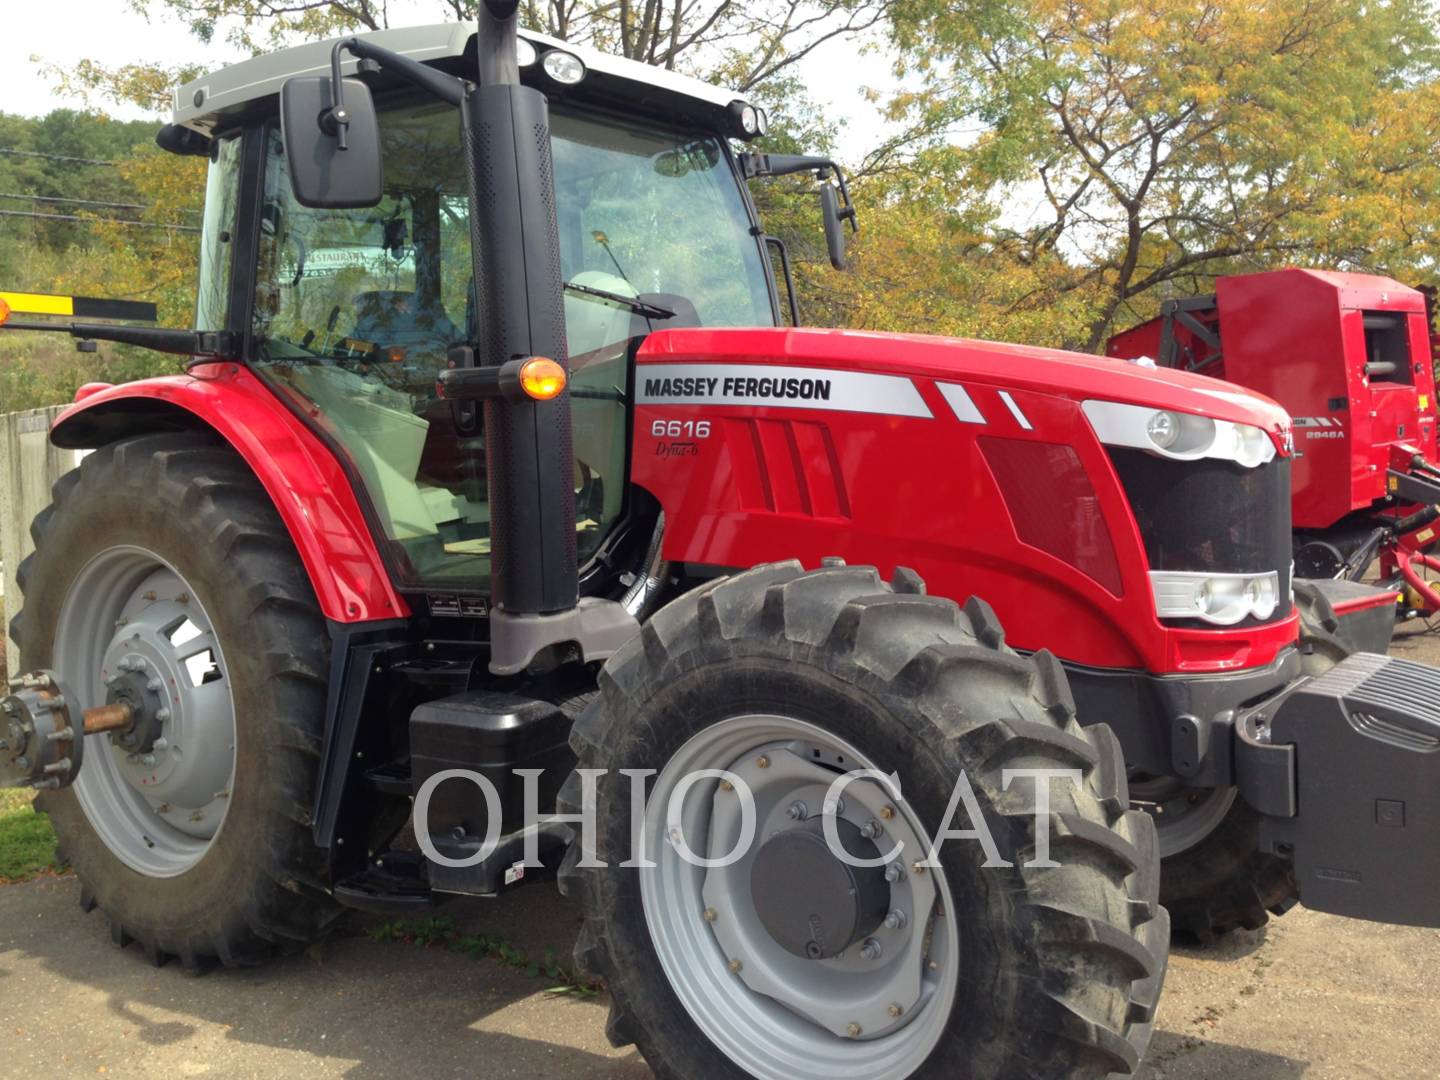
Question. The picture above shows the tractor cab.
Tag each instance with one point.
(356, 310)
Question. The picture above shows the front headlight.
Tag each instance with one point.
(1183, 436)
(1222, 599)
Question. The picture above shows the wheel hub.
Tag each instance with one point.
(879, 1006)
(871, 973)
(147, 709)
(813, 904)
(132, 632)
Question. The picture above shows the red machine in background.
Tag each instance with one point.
(1351, 357)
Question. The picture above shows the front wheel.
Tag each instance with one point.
(787, 962)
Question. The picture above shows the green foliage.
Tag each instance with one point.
(125, 250)
(1137, 148)
(27, 843)
(1054, 169)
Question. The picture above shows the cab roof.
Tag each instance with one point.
(215, 101)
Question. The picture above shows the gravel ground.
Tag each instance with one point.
(1312, 996)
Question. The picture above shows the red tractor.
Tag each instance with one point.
(493, 459)
(1350, 357)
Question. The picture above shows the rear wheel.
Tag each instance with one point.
(163, 577)
(789, 964)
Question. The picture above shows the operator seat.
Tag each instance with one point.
(396, 317)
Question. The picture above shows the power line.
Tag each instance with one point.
(95, 221)
(77, 202)
(87, 202)
(56, 157)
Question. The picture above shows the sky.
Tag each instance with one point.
(62, 32)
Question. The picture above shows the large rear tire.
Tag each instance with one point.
(786, 678)
(162, 565)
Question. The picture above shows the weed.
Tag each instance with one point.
(439, 931)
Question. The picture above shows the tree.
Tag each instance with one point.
(748, 42)
(1149, 143)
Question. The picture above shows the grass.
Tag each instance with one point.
(440, 933)
(27, 843)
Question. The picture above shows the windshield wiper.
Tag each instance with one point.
(639, 307)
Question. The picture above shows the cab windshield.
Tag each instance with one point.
(355, 311)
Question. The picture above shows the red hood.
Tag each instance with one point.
(1048, 371)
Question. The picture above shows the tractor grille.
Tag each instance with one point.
(1211, 516)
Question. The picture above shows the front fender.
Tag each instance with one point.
(309, 486)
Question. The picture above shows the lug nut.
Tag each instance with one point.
(798, 811)
(762, 763)
(887, 812)
(162, 744)
(870, 830)
(154, 684)
(853, 1030)
(895, 1012)
(871, 950)
(726, 785)
(834, 806)
(735, 966)
(893, 873)
(896, 920)
(124, 664)
(147, 759)
(710, 914)
(918, 868)
(162, 715)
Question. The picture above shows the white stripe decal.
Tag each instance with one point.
(961, 404)
(771, 386)
(1015, 411)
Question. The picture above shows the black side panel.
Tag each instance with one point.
(1176, 725)
(1363, 629)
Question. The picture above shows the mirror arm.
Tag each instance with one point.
(334, 120)
(754, 165)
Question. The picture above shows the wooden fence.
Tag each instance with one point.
(28, 466)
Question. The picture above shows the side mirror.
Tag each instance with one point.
(332, 147)
(834, 225)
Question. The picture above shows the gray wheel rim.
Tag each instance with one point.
(777, 1016)
(1184, 816)
(130, 610)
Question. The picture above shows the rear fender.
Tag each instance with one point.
(309, 486)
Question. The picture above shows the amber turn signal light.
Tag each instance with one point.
(542, 378)
(4, 311)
